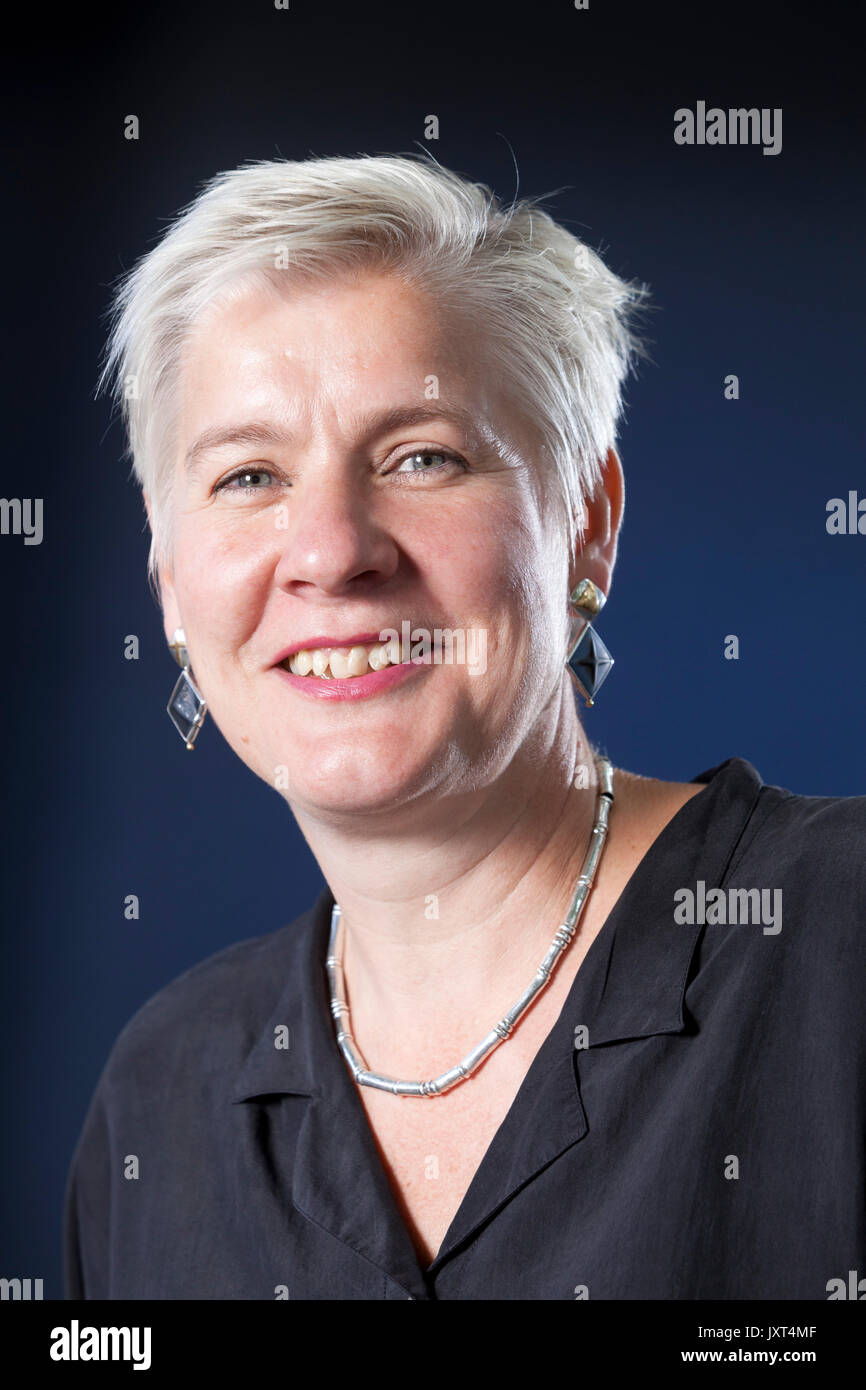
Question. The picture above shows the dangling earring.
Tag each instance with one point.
(186, 707)
(589, 660)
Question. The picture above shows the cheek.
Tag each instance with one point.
(485, 547)
(507, 567)
(221, 585)
(497, 575)
(526, 576)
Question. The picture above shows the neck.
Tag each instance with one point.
(448, 909)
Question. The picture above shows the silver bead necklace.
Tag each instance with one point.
(501, 1030)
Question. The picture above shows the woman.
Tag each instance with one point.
(374, 414)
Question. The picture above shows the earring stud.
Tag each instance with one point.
(187, 707)
(589, 660)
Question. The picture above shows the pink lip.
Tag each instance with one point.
(361, 639)
(353, 687)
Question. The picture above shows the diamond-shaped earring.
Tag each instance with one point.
(186, 707)
(589, 660)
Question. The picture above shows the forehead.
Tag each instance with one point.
(355, 354)
(370, 335)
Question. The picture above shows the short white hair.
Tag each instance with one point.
(556, 323)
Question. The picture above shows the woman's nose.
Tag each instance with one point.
(332, 535)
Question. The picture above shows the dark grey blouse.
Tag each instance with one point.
(691, 1128)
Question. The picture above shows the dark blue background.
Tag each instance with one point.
(755, 264)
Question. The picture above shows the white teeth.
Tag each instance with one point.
(339, 664)
(356, 663)
(302, 663)
(336, 663)
(378, 657)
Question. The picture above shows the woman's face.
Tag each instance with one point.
(308, 512)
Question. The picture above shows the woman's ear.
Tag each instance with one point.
(596, 554)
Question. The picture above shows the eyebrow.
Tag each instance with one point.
(262, 432)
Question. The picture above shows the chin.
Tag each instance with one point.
(353, 794)
(347, 774)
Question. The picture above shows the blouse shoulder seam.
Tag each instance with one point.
(755, 823)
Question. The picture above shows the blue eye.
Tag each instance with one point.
(426, 455)
(245, 480)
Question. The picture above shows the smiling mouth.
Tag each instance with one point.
(341, 663)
